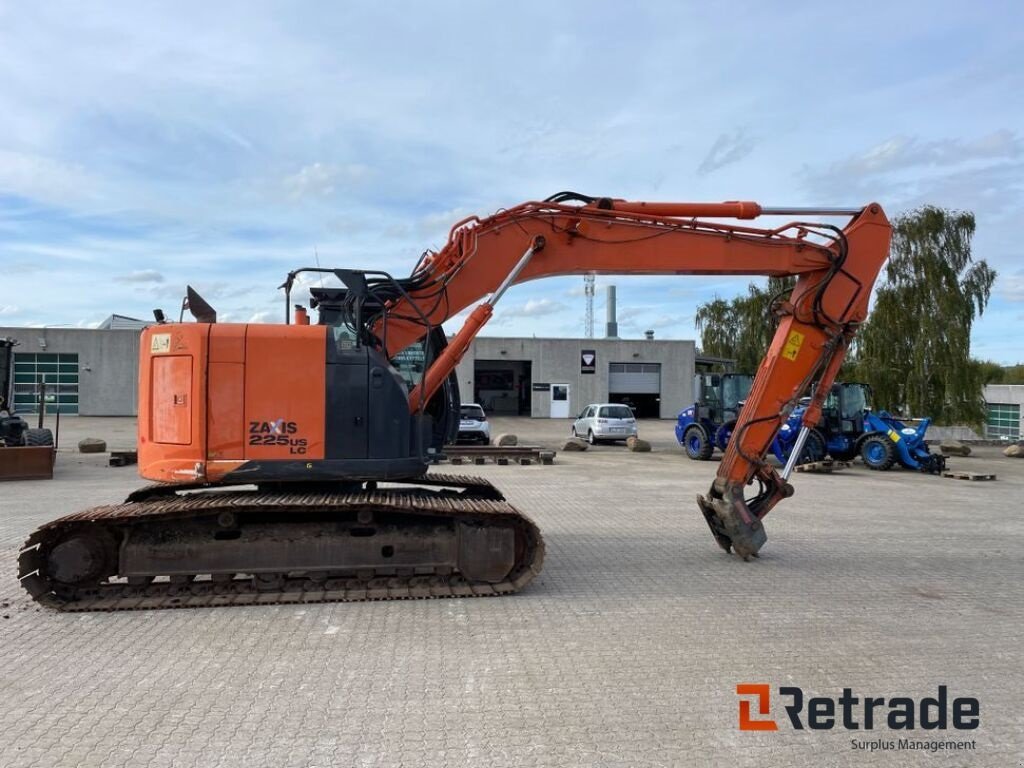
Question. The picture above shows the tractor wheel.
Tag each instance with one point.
(696, 443)
(878, 452)
(814, 448)
(39, 437)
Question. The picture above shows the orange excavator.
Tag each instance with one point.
(290, 460)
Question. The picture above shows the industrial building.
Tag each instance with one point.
(1004, 405)
(86, 371)
(93, 372)
(557, 378)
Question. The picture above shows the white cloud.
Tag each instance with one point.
(979, 173)
(322, 180)
(1011, 287)
(264, 316)
(902, 152)
(8, 309)
(728, 148)
(626, 315)
(45, 179)
(141, 276)
(533, 308)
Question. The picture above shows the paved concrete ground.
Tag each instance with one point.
(625, 652)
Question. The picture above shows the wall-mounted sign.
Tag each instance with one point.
(539, 386)
(588, 361)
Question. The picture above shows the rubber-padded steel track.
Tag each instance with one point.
(468, 500)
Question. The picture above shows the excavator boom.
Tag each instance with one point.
(835, 269)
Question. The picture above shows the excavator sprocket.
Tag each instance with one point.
(438, 536)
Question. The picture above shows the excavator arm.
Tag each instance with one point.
(572, 234)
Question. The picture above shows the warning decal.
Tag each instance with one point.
(160, 342)
(793, 344)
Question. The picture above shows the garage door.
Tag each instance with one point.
(60, 374)
(635, 378)
(1003, 420)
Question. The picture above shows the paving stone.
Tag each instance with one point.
(625, 651)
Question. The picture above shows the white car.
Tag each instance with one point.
(473, 426)
(605, 421)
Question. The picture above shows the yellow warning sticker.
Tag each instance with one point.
(894, 435)
(160, 342)
(793, 344)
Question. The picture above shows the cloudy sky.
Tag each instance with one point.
(146, 146)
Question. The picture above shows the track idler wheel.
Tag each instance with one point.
(83, 556)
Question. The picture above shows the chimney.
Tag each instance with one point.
(649, 335)
(613, 327)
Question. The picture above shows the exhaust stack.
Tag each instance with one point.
(612, 331)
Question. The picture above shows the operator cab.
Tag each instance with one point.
(350, 314)
(719, 396)
(845, 405)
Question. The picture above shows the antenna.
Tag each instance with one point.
(588, 291)
(316, 255)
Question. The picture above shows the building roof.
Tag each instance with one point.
(119, 322)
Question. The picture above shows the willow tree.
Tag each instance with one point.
(741, 328)
(915, 348)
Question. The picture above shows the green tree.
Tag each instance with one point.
(1012, 374)
(915, 348)
(991, 373)
(741, 328)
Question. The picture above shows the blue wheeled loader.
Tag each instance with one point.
(849, 427)
(888, 441)
(708, 423)
(840, 430)
(815, 447)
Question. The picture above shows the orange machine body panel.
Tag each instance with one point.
(172, 386)
(284, 391)
(213, 397)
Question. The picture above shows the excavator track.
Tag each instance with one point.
(440, 536)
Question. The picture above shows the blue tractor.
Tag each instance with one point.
(708, 423)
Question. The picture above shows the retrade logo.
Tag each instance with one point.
(762, 692)
(852, 712)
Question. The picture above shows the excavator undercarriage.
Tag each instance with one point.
(168, 547)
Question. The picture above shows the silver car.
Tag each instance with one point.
(605, 421)
(473, 426)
